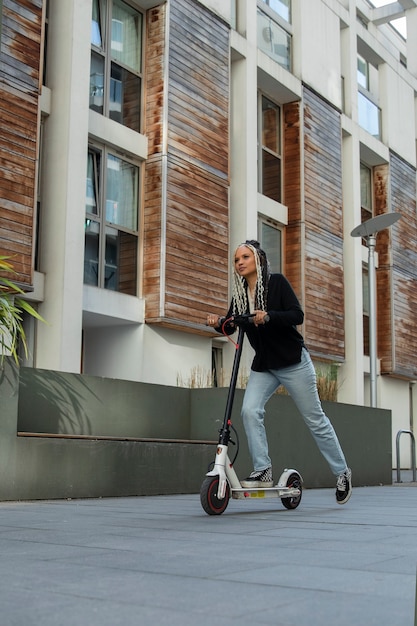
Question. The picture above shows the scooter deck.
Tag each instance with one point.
(269, 492)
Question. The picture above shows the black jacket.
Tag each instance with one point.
(277, 343)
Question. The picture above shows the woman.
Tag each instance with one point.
(281, 358)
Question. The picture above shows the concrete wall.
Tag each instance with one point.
(74, 465)
(70, 436)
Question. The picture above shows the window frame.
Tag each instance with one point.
(266, 3)
(365, 308)
(365, 74)
(217, 364)
(269, 26)
(369, 111)
(262, 221)
(104, 52)
(105, 227)
(369, 210)
(267, 150)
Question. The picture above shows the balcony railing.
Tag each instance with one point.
(369, 115)
(274, 40)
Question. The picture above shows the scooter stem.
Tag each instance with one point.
(225, 431)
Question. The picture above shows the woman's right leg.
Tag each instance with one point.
(260, 387)
(301, 382)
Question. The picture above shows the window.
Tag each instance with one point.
(116, 62)
(282, 7)
(111, 222)
(363, 73)
(270, 238)
(233, 14)
(217, 365)
(365, 311)
(366, 193)
(273, 39)
(26, 357)
(269, 162)
(369, 114)
(45, 42)
(38, 220)
(366, 214)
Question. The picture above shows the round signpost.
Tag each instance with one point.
(368, 230)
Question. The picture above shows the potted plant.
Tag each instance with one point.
(12, 307)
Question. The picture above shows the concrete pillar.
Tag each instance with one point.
(351, 378)
(63, 185)
(243, 162)
(243, 158)
(351, 372)
(411, 16)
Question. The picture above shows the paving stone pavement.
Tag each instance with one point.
(161, 560)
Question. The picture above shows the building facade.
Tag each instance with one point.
(143, 140)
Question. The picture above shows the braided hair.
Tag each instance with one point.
(240, 301)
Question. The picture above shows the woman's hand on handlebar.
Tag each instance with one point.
(213, 320)
(260, 318)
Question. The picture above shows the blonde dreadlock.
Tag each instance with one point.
(240, 294)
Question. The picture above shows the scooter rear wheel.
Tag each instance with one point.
(208, 496)
(294, 480)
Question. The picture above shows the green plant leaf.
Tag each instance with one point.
(11, 313)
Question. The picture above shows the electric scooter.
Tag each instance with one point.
(221, 482)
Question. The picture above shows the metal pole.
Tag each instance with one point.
(371, 242)
(368, 230)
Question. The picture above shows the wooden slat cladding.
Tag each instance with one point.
(324, 288)
(381, 182)
(154, 79)
(292, 197)
(397, 281)
(152, 237)
(189, 219)
(198, 121)
(197, 263)
(19, 93)
(152, 205)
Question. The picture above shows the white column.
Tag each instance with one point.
(351, 375)
(243, 142)
(411, 16)
(63, 185)
(243, 161)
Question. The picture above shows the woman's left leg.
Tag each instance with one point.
(301, 383)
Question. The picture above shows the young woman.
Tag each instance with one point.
(281, 358)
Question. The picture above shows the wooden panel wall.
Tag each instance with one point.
(324, 288)
(19, 93)
(197, 259)
(152, 206)
(193, 227)
(381, 183)
(397, 281)
(294, 232)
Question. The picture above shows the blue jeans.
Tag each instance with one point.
(301, 383)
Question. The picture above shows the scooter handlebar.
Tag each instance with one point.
(239, 319)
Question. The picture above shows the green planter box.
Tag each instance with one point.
(67, 435)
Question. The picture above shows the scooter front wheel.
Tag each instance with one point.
(208, 496)
(293, 480)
